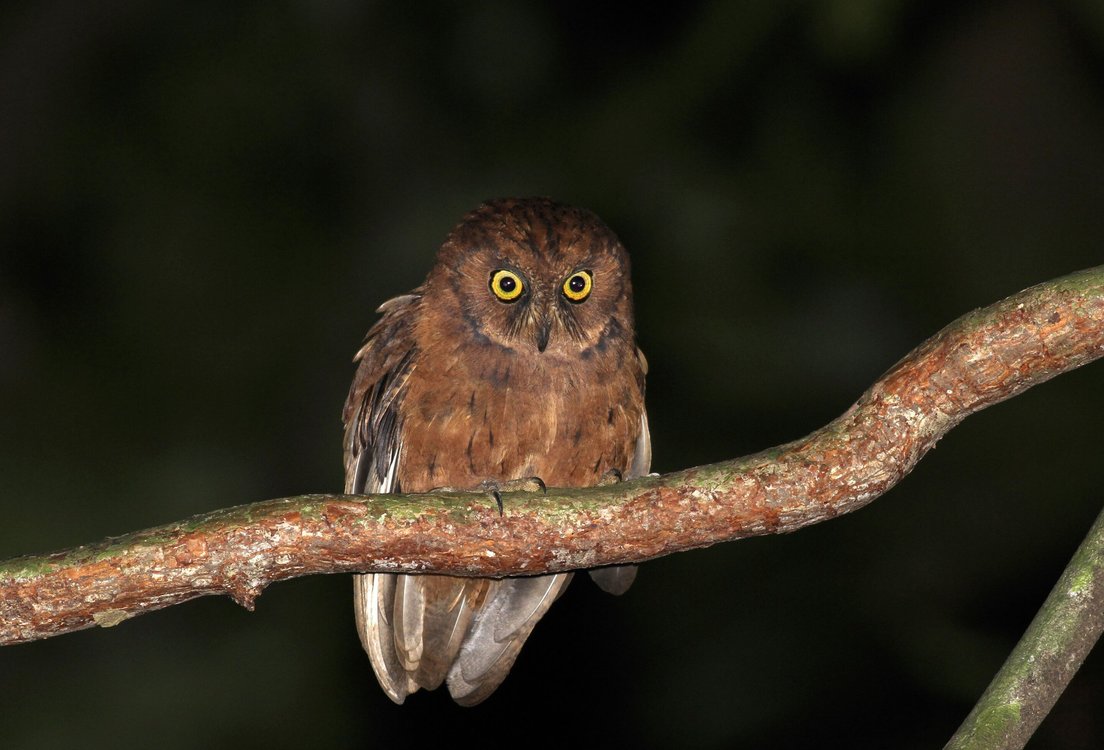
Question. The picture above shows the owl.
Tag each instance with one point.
(515, 358)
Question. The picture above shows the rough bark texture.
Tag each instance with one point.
(982, 358)
(1046, 658)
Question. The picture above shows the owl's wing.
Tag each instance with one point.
(499, 629)
(642, 456)
(616, 579)
(371, 415)
(373, 442)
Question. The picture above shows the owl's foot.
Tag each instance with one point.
(523, 484)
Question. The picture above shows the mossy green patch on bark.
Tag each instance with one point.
(1090, 281)
(992, 726)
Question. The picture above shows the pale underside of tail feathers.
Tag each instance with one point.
(423, 630)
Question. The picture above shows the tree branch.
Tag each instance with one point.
(982, 358)
(1046, 658)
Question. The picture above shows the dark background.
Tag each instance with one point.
(201, 206)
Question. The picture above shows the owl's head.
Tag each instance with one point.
(536, 276)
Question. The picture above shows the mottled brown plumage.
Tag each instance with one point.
(515, 358)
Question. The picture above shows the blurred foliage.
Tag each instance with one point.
(201, 205)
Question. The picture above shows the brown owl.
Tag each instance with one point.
(515, 358)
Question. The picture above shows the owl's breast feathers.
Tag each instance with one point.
(431, 407)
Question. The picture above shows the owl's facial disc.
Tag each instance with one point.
(537, 278)
(544, 309)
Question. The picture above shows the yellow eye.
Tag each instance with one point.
(506, 285)
(578, 285)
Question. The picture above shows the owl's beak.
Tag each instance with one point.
(544, 331)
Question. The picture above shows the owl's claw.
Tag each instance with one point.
(524, 484)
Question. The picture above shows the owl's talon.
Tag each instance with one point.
(524, 484)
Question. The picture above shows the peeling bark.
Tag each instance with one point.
(982, 358)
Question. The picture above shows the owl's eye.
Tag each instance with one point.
(578, 285)
(506, 285)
